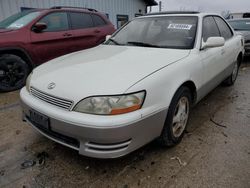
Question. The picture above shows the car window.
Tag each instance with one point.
(98, 21)
(81, 20)
(57, 21)
(241, 25)
(177, 32)
(225, 31)
(210, 28)
(19, 20)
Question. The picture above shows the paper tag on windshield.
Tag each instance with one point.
(15, 25)
(180, 26)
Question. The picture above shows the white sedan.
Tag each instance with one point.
(138, 86)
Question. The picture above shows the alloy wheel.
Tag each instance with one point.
(11, 74)
(181, 115)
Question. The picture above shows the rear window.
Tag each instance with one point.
(98, 21)
(81, 20)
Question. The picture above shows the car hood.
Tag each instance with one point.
(246, 34)
(5, 30)
(103, 70)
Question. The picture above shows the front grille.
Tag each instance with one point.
(56, 101)
(247, 41)
(109, 147)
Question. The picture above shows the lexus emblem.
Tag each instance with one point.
(52, 85)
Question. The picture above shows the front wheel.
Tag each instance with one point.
(13, 72)
(177, 118)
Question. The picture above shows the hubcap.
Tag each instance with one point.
(235, 72)
(180, 116)
(11, 74)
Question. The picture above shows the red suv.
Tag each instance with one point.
(30, 38)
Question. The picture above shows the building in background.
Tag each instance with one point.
(118, 11)
(239, 15)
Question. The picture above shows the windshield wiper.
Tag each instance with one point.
(143, 44)
(114, 41)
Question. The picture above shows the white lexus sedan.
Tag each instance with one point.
(138, 86)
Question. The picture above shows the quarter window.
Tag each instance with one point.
(98, 21)
(210, 28)
(225, 31)
(56, 21)
(81, 20)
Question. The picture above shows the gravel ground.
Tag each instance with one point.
(215, 151)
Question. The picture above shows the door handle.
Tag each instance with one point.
(97, 31)
(223, 52)
(67, 35)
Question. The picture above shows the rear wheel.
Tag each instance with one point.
(177, 118)
(13, 72)
(232, 78)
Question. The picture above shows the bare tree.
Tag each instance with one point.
(226, 14)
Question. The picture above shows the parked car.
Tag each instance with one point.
(242, 26)
(138, 86)
(30, 38)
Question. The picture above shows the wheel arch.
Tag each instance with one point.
(240, 57)
(191, 85)
(20, 53)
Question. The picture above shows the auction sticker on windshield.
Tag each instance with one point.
(180, 26)
(15, 25)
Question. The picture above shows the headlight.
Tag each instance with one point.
(111, 105)
(28, 82)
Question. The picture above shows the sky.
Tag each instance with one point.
(216, 6)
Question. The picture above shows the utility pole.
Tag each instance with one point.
(160, 6)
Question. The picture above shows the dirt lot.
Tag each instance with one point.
(215, 151)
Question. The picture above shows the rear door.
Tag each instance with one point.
(85, 34)
(56, 40)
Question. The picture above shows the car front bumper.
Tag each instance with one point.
(125, 134)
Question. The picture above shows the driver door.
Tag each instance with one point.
(54, 41)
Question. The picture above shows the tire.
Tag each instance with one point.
(172, 135)
(232, 78)
(13, 72)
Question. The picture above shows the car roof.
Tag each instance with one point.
(74, 8)
(60, 8)
(173, 12)
(179, 13)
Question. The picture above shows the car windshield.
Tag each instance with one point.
(240, 25)
(176, 32)
(19, 20)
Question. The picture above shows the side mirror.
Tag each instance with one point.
(39, 27)
(108, 37)
(213, 42)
